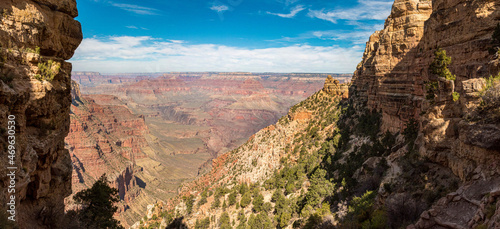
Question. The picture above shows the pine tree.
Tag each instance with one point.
(97, 205)
(439, 65)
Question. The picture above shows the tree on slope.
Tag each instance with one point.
(97, 205)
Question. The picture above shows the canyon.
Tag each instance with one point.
(152, 132)
(399, 146)
(406, 148)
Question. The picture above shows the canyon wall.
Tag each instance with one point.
(105, 137)
(36, 37)
(394, 78)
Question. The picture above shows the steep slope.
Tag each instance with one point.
(104, 137)
(409, 148)
(402, 86)
(36, 37)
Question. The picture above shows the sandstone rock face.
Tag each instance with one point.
(383, 80)
(31, 34)
(392, 78)
(333, 87)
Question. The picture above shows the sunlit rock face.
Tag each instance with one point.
(34, 35)
(392, 79)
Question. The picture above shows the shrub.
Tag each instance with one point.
(431, 90)
(48, 70)
(224, 221)
(456, 96)
(439, 65)
(411, 133)
(267, 207)
(258, 201)
(490, 210)
(30, 50)
(203, 199)
(232, 198)
(246, 199)
(189, 201)
(261, 221)
(216, 203)
(361, 207)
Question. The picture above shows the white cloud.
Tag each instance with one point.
(136, 9)
(365, 10)
(131, 27)
(147, 54)
(292, 13)
(219, 8)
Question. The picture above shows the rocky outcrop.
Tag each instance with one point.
(387, 78)
(333, 87)
(33, 35)
(393, 79)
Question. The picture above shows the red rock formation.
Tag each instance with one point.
(231, 106)
(105, 137)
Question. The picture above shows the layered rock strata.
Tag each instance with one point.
(394, 77)
(105, 137)
(36, 37)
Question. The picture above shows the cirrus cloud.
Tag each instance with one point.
(219, 8)
(292, 13)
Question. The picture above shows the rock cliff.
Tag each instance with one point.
(394, 78)
(36, 37)
(105, 137)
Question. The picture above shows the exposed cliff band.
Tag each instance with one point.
(36, 37)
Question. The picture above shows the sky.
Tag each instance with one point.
(317, 36)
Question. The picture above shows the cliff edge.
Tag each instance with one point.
(36, 37)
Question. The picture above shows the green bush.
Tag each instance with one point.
(30, 50)
(232, 198)
(246, 199)
(48, 70)
(431, 90)
(439, 65)
(261, 221)
(258, 202)
(216, 203)
(456, 96)
(189, 201)
(225, 221)
(203, 199)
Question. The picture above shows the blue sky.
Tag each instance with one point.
(226, 35)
